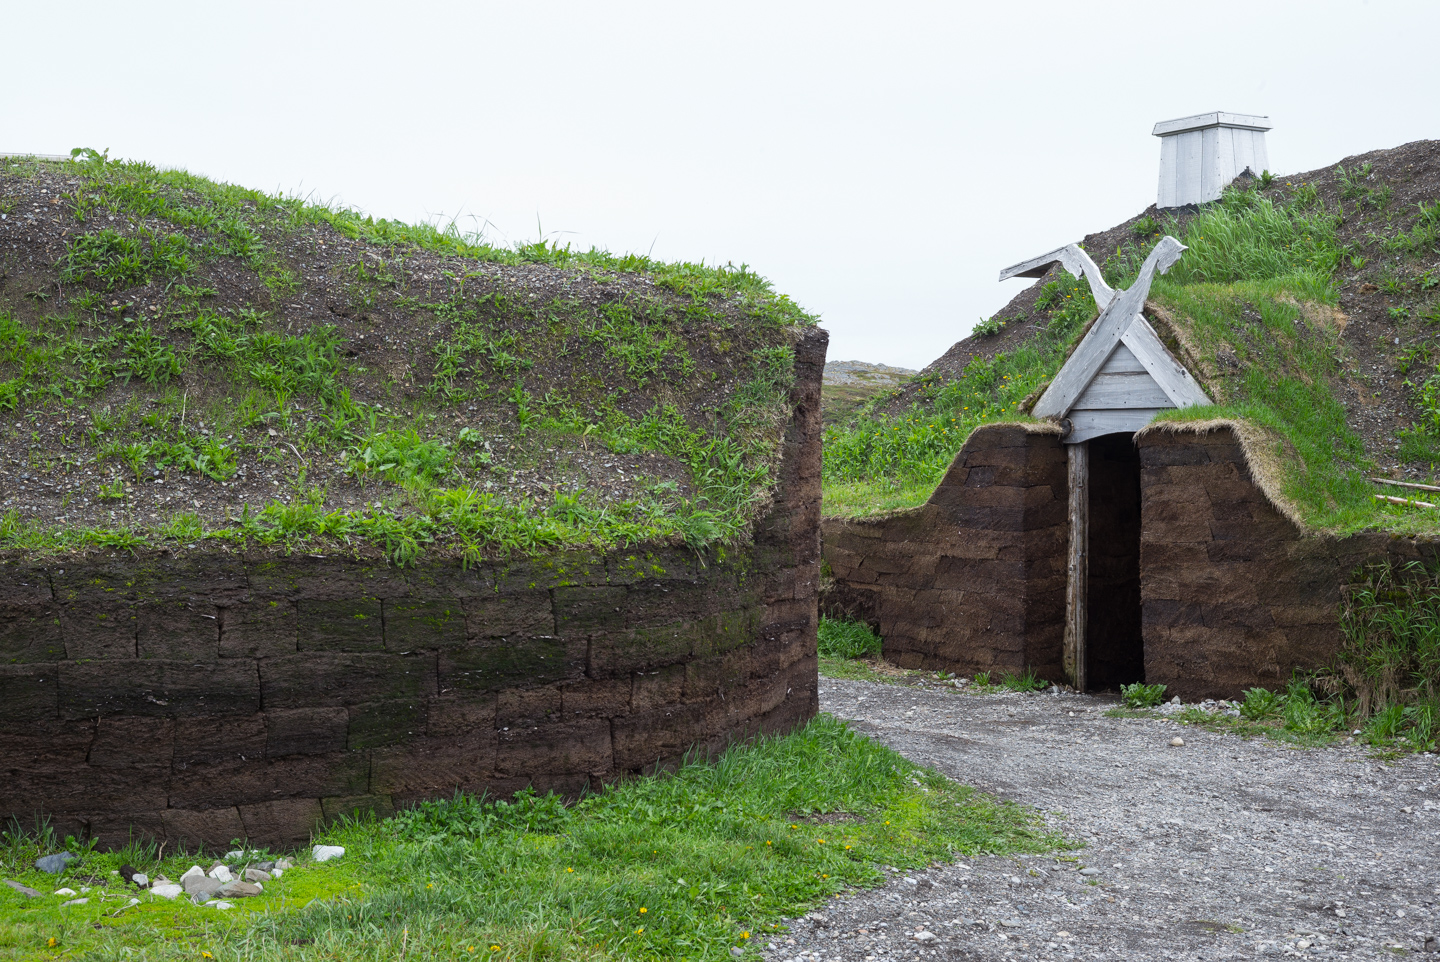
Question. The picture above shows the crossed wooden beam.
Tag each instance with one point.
(1120, 322)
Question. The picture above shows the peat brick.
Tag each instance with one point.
(284, 823)
(259, 628)
(156, 687)
(414, 624)
(331, 679)
(305, 731)
(494, 664)
(346, 624)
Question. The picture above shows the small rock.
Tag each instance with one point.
(238, 890)
(55, 864)
(24, 890)
(1012, 923)
(284, 863)
(1089, 871)
(192, 872)
(65, 892)
(220, 873)
(234, 855)
(264, 866)
(199, 884)
(74, 902)
(167, 891)
(736, 951)
(1177, 742)
(277, 871)
(926, 937)
(324, 853)
(222, 906)
(255, 875)
(140, 879)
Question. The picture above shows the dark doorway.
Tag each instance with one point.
(1114, 648)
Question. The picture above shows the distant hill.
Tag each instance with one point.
(849, 384)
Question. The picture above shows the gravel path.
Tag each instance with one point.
(1221, 849)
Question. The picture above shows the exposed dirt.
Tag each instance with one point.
(1220, 849)
(1384, 350)
(382, 303)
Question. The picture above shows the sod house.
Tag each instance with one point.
(307, 515)
(1121, 533)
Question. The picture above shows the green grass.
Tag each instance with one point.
(628, 388)
(681, 866)
(840, 638)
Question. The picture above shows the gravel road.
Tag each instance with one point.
(1220, 849)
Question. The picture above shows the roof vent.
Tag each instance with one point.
(1201, 155)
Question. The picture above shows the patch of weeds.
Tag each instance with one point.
(1261, 703)
(113, 260)
(1023, 681)
(988, 327)
(847, 639)
(403, 457)
(1141, 695)
(1145, 227)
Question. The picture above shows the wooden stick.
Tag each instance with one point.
(1407, 484)
(1417, 504)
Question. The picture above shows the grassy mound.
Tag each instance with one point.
(183, 361)
(682, 866)
(1304, 307)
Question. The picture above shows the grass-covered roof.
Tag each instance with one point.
(192, 364)
(1306, 305)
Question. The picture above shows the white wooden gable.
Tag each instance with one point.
(1121, 374)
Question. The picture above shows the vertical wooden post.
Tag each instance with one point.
(1078, 569)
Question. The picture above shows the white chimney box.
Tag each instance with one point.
(1202, 154)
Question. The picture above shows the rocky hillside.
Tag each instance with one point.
(848, 385)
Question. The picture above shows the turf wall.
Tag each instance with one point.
(212, 697)
(1233, 594)
(974, 579)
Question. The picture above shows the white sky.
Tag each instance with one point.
(880, 162)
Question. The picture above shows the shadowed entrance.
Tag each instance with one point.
(1115, 652)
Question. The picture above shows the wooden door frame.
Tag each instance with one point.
(1077, 583)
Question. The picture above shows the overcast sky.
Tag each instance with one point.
(880, 162)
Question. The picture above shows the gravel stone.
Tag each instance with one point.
(55, 864)
(202, 885)
(238, 890)
(24, 890)
(167, 891)
(324, 853)
(1232, 849)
